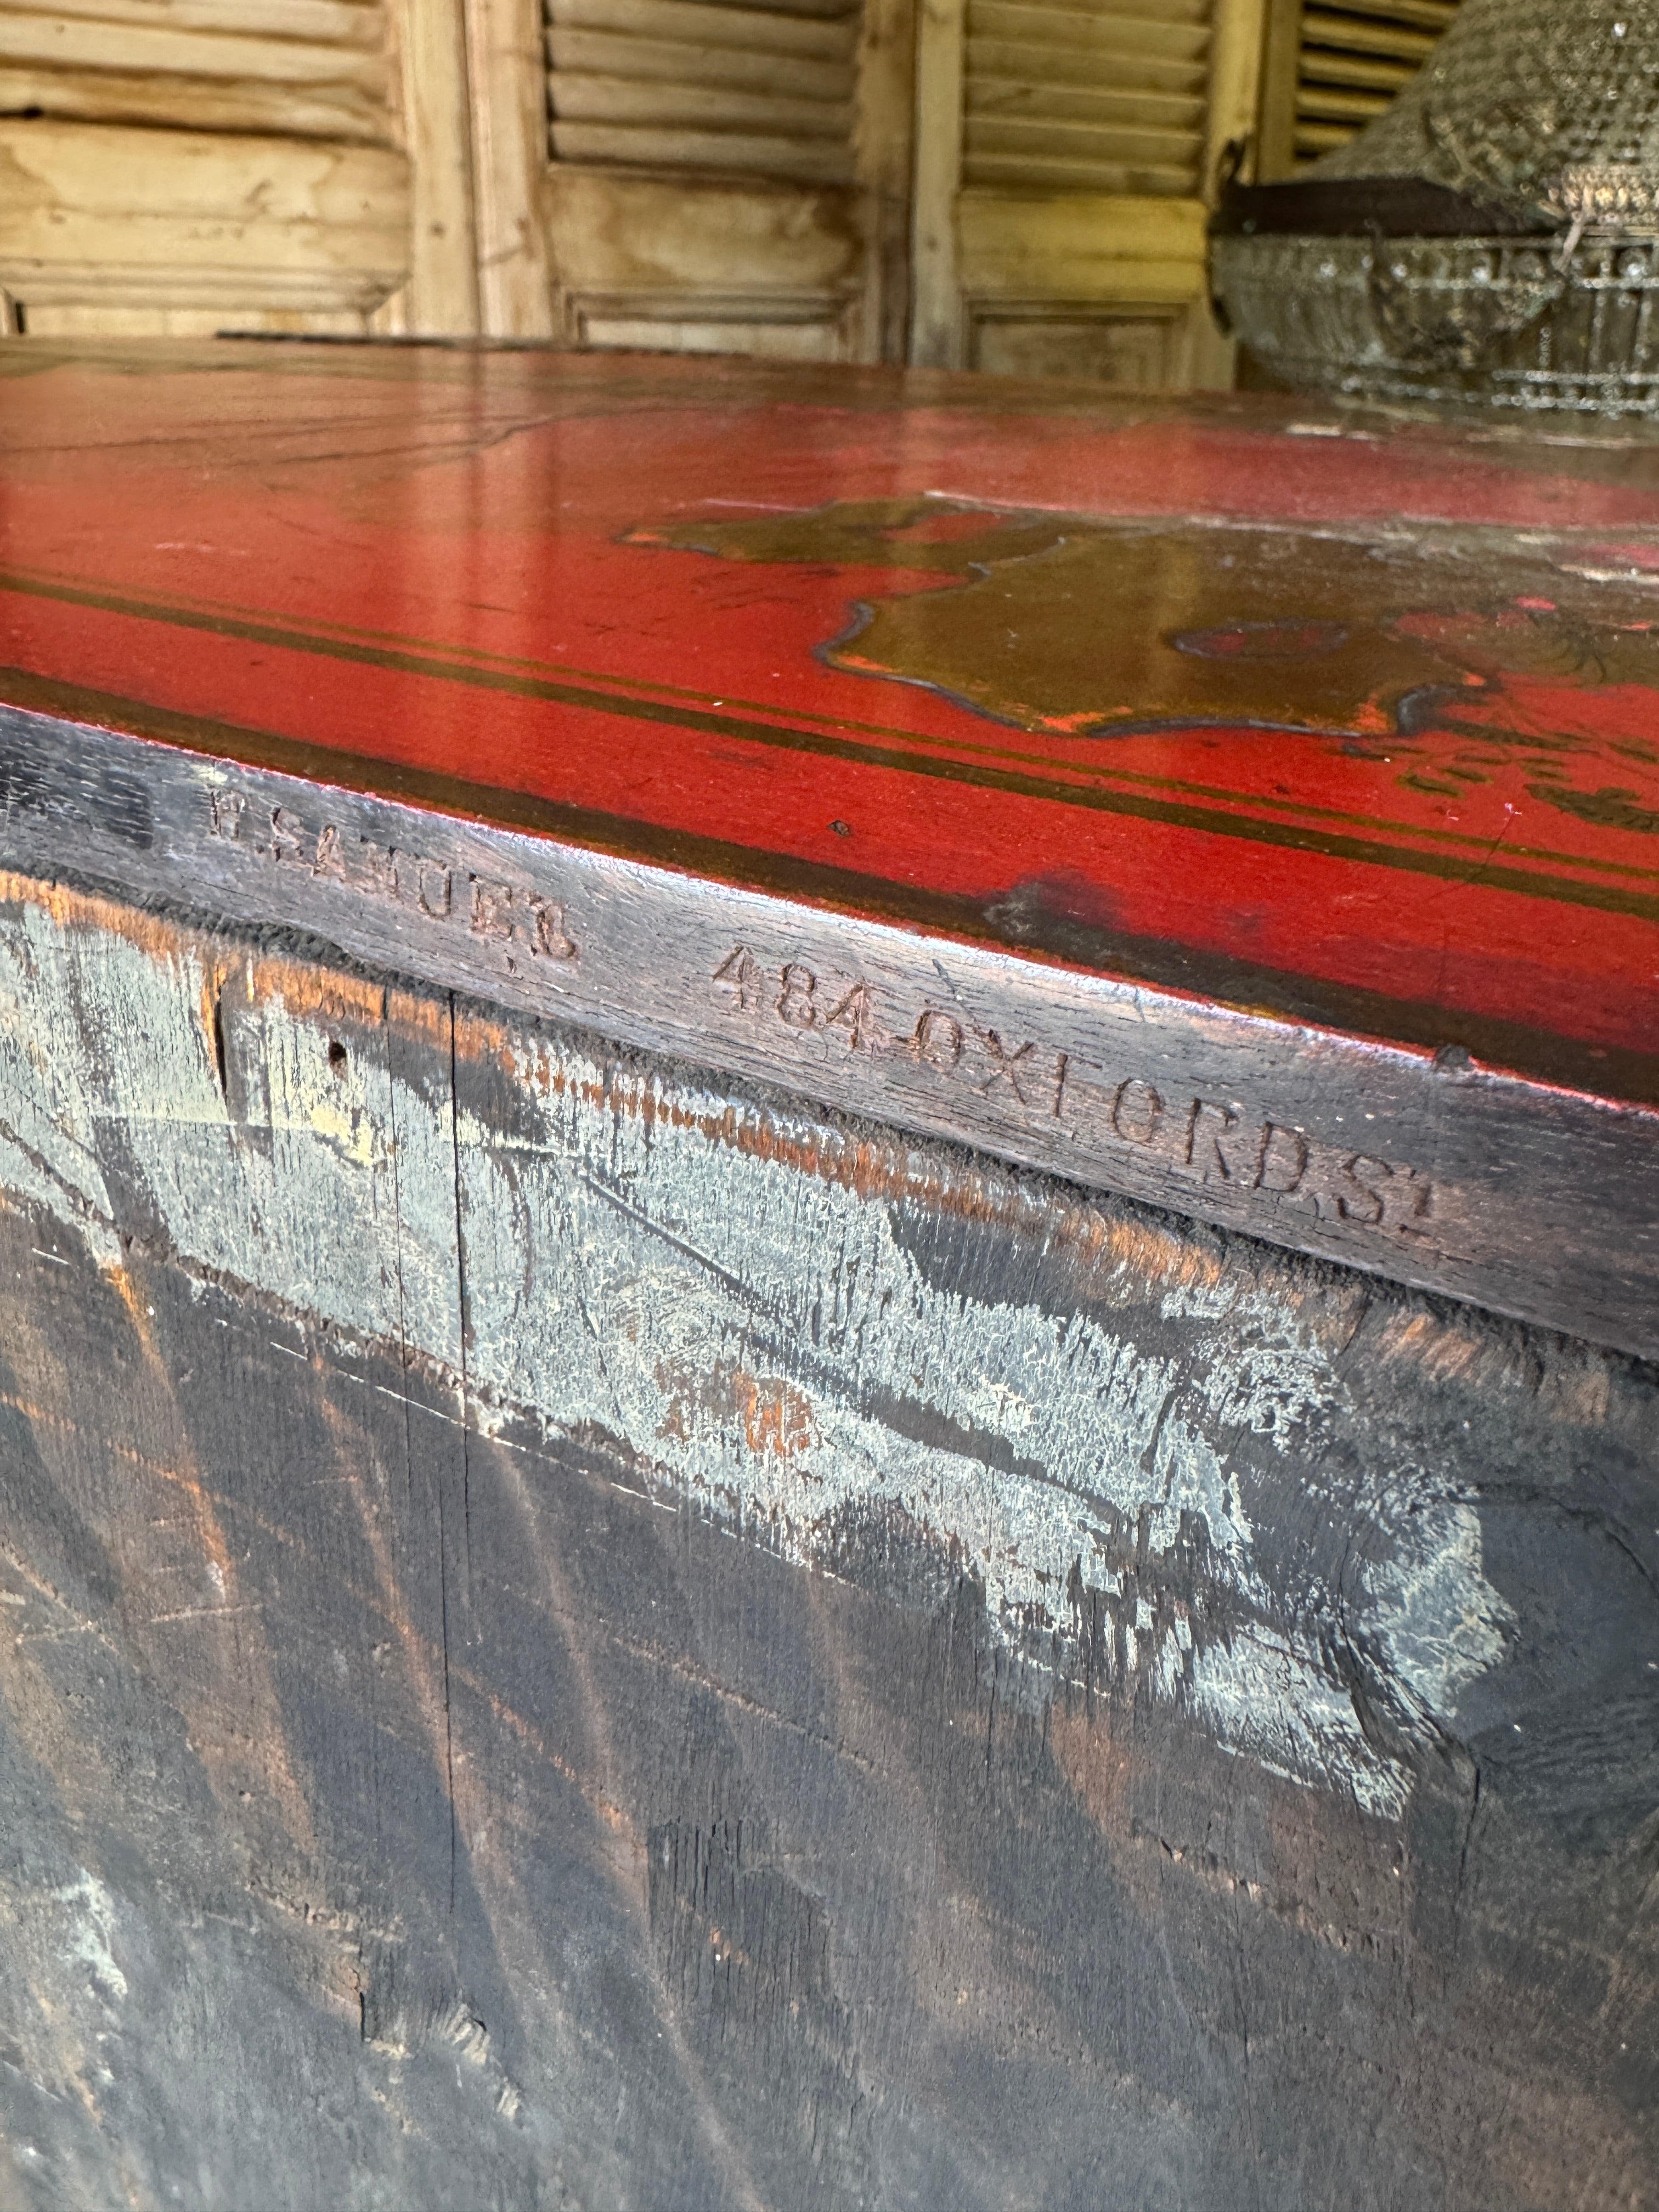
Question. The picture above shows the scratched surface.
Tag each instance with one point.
(577, 1635)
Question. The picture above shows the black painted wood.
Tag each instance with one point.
(584, 1739)
(1517, 1191)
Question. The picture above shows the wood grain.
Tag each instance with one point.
(157, 221)
(506, 77)
(573, 1629)
(305, 67)
(679, 85)
(936, 314)
(437, 120)
(176, 168)
(655, 257)
(1420, 1167)
(884, 156)
(729, 179)
(1062, 157)
(1238, 41)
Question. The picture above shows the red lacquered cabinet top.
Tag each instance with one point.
(1347, 720)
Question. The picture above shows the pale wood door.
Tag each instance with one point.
(1064, 154)
(689, 176)
(190, 165)
(695, 174)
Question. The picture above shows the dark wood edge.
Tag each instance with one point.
(1367, 207)
(1026, 920)
(1526, 1198)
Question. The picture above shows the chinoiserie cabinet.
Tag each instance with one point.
(828, 1294)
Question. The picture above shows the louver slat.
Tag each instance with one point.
(669, 62)
(292, 68)
(1086, 97)
(1354, 59)
(675, 84)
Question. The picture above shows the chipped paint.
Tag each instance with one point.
(92, 1930)
(742, 1305)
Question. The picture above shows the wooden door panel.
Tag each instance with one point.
(707, 186)
(1051, 100)
(202, 164)
(676, 84)
(108, 228)
(1063, 155)
(1133, 342)
(1085, 285)
(704, 266)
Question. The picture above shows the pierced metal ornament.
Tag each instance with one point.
(1491, 241)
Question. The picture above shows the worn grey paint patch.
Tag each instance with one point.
(1066, 1434)
(763, 1340)
(91, 1912)
(310, 1192)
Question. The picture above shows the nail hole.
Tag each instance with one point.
(336, 1056)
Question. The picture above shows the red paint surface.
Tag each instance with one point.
(211, 540)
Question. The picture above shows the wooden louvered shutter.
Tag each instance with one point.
(1076, 98)
(764, 92)
(1063, 154)
(727, 177)
(183, 165)
(1330, 69)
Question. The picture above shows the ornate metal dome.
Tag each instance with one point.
(1492, 240)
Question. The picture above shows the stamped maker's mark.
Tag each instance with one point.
(507, 914)
(1215, 1143)
(1026, 1075)
(1212, 1142)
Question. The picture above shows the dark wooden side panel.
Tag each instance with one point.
(572, 1636)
